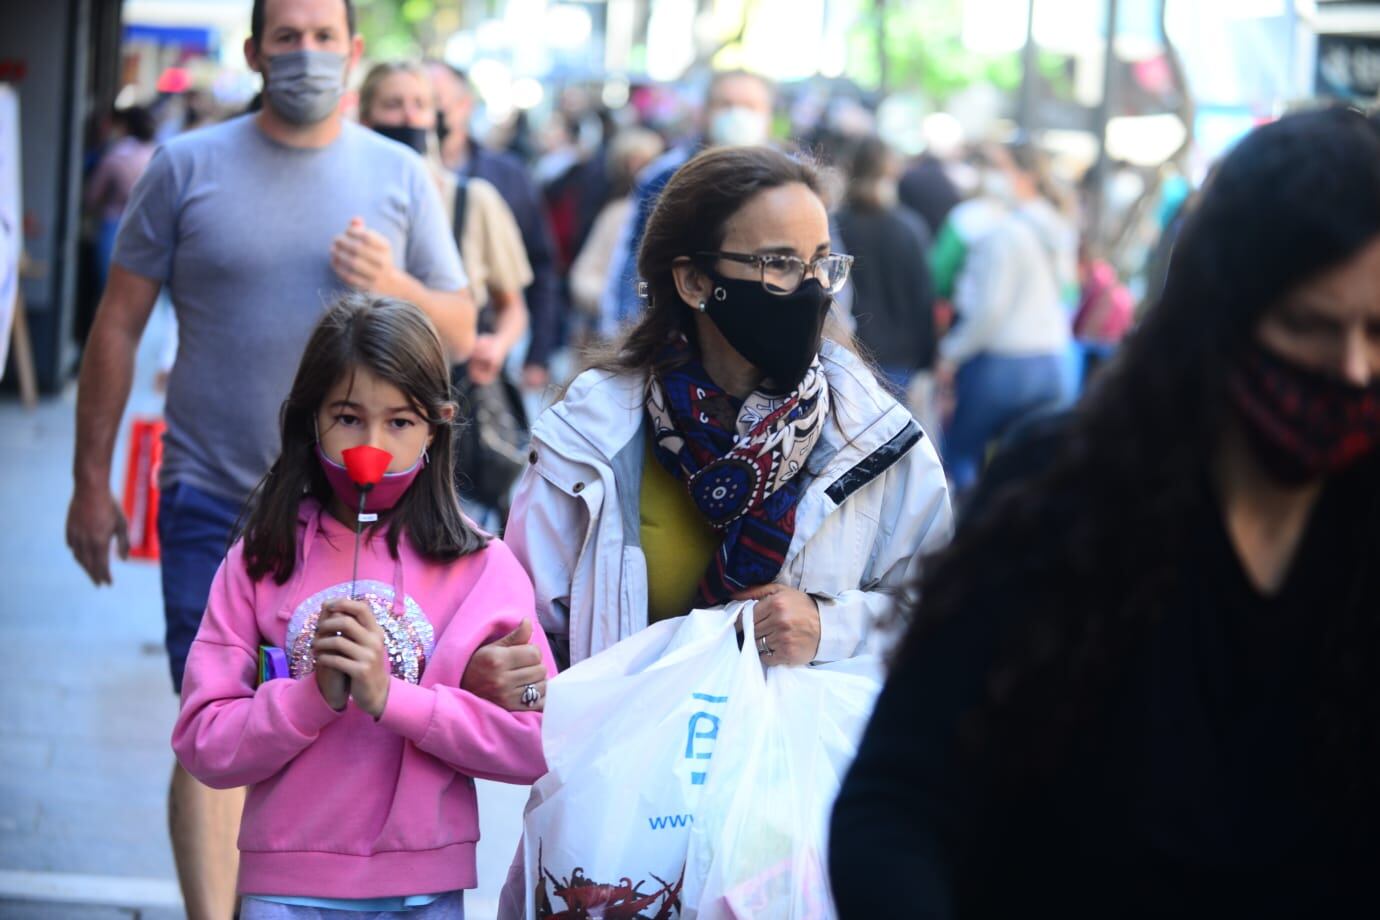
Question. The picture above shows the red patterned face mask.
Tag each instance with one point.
(1303, 424)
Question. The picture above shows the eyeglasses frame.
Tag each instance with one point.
(808, 269)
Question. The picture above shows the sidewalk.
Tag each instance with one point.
(84, 750)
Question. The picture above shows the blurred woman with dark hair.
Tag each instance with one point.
(1142, 681)
(893, 298)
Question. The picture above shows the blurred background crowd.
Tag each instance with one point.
(1007, 173)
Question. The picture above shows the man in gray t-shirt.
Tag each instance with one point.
(238, 227)
(253, 226)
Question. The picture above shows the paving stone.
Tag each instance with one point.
(32, 910)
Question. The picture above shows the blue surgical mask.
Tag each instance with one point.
(737, 126)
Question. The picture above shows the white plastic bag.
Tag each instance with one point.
(759, 848)
(628, 736)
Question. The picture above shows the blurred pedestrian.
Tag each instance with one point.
(926, 186)
(630, 152)
(1007, 354)
(361, 758)
(467, 158)
(1142, 681)
(247, 223)
(1106, 309)
(396, 99)
(112, 181)
(893, 300)
(737, 112)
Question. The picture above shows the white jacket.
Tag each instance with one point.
(875, 500)
(1010, 294)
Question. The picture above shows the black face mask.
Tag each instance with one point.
(412, 137)
(779, 334)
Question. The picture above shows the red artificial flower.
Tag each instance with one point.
(366, 465)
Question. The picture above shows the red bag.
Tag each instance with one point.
(141, 486)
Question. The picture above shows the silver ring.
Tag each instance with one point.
(762, 648)
(530, 696)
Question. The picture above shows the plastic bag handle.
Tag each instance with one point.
(748, 654)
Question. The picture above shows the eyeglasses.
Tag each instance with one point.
(782, 274)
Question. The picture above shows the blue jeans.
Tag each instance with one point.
(991, 393)
(449, 906)
(105, 249)
(193, 534)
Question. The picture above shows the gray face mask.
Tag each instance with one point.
(305, 87)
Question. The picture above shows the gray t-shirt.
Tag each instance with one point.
(239, 229)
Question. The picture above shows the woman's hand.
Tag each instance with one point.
(786, 623)
(486, 360)
(500, 671)
(350, 640)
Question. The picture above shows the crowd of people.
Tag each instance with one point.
(1120, 681)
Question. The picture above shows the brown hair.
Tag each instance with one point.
(396, 342)
(258, 14)
(691, 216)
(871, 165)
(380, 72)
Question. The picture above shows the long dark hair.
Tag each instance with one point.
(394, 341)
(691, 216)
(1091, 548)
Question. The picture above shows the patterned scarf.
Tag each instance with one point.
(739, 461)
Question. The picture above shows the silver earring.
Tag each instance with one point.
(701, 306)
(426, 457)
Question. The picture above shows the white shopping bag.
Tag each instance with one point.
(628, 736)
(759, 845)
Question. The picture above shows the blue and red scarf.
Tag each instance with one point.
(739, 460)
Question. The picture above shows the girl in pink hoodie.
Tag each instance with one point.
(361, 762)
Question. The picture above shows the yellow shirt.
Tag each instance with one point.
(676, 539)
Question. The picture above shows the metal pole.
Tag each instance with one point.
(1025, 113)
(1104, 112)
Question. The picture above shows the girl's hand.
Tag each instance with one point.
(334, 686)
(788, 621)
(358, 652)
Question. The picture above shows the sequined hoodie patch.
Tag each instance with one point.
(408, 634)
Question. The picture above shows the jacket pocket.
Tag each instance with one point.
(834, 558)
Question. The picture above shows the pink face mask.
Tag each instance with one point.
(384, 495)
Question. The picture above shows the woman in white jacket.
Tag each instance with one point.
(725, 448)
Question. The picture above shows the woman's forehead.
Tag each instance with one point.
(1347, 291)
(405, 83)
(788, 215)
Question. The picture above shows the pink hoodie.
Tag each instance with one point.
(341, 806)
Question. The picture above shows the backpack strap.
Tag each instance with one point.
(461, 204)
